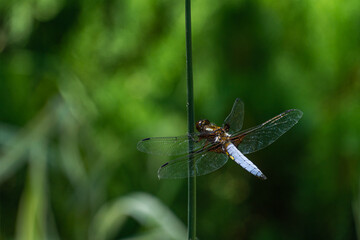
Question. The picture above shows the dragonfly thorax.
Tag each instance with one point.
(221, 136)
(211, 132)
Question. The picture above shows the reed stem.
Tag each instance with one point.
(190, 115)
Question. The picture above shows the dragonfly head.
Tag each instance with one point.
(202, 124)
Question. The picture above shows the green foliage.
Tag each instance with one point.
(82, 81)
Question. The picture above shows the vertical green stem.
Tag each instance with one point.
(356, 209)
(190, 110)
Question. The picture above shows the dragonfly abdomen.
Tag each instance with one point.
(243, 161)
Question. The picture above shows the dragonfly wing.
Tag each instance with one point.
(170, 145)
(205, 162)
(236, 117)
(261, 136)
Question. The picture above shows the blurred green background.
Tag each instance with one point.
(82, 81)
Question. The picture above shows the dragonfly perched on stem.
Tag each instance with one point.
(214, 145)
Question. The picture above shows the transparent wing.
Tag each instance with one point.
(259, 137)
(170, 145)
(236, 117)
(205, 162)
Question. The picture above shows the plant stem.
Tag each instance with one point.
(190, 111)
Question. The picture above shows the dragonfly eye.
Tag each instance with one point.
(206, 122)
(201, 124)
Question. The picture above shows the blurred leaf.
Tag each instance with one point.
(32, 221)
(20, 21)
(14, 154)
(69, 148)
(146, 209)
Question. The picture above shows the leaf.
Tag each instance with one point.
(146, 209)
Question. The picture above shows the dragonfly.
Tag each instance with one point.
(211, 147)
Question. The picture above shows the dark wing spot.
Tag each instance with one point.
(290, 110)
(165, 164)
(145, 139)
